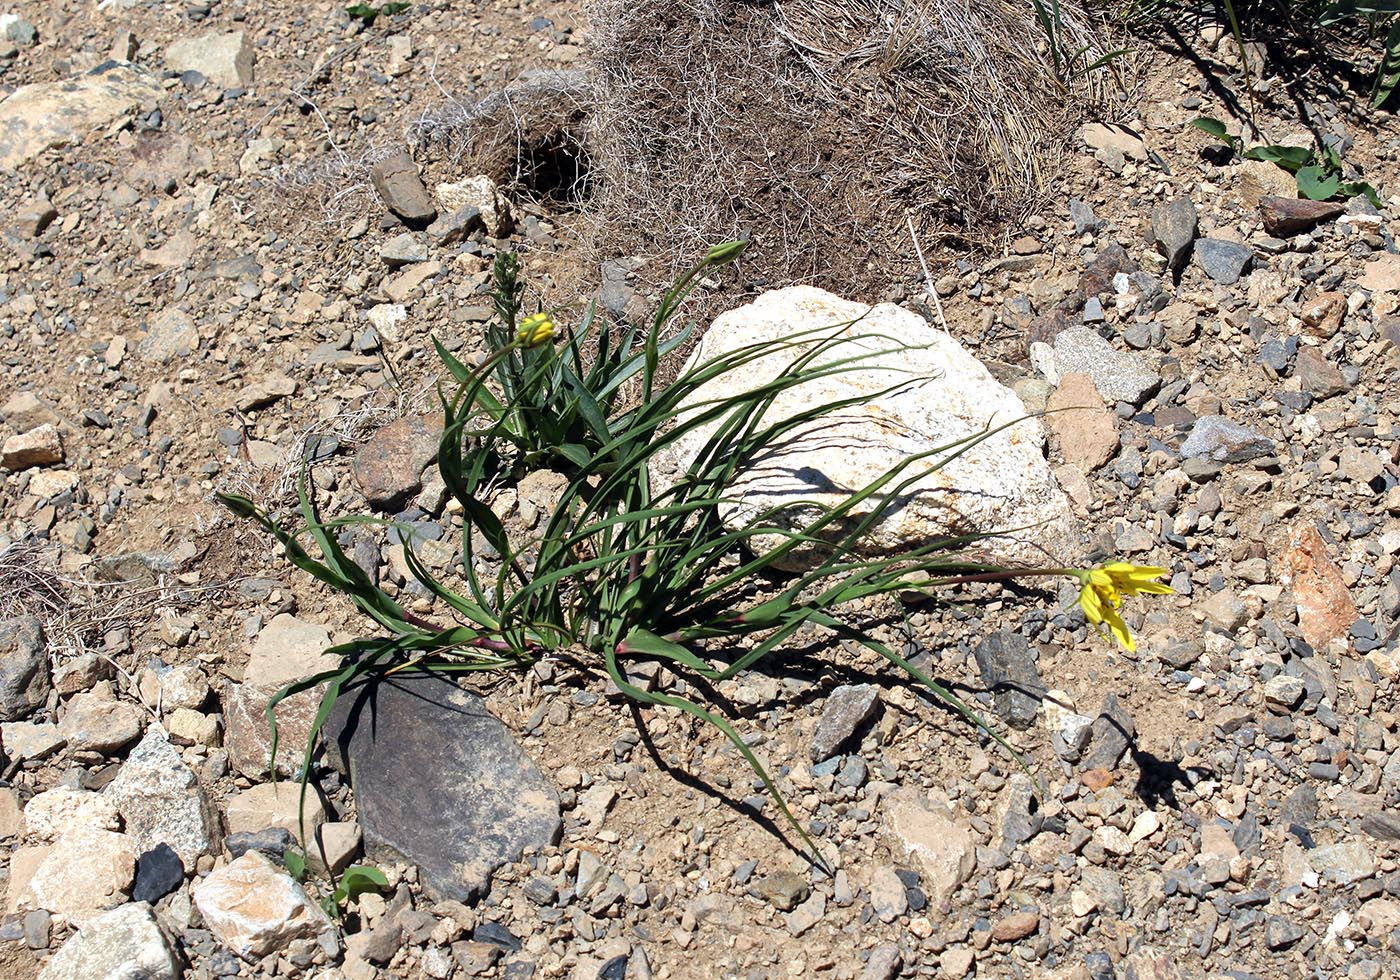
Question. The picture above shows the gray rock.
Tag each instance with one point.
(439, 782)
(1104, 887)
(1009, 672)
(1110, 737)
(1120, 376)
(24, 668)
(404, 249)
(1222, 260)
(847, 708)
(274, 842)
(1382, 825)
(1215, 437)
(1174, 229)
(170, 334)
(161, 801)
(122, 944)
(1085, 221)
(1280, 932)
(396, 180)
(884, 964)
(617, 295)
(887, 894)
(16, 29)
(452, 228)
(1022, 819)
(1342, 864)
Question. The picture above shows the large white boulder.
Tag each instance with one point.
(1001, 484)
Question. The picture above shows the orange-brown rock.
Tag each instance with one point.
(1326, 609)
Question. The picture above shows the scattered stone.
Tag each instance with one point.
(819, 461)
(439, 782)
(1224, 610)
(1342, 864)
(273, 388)
(887, 894)
(39, 447)
(224, 59)
(1217, 438)
(49, 114)
(274, 805)
(801, 919)
(1086, 431)
(255, 908)
(87, 872)
(847, 709)
(1326, 610)
(33, 216)
(123, 944)
(170, 334)
(1382, 825)
(1224, 261)
(1288, 216)
(1318, 376)
(340, 842)
(161, 801)
(390, 465)
(1260, 179)
(27, 741)
(884, 964)
(1015, 927)
(404, 249)
(1280, 933)
(784, 890)
(1120, 376)
(159, 872)
(1111, 736)
(478, 192)
(927, 834)
(1174, 230)
(95, 722)
(396, 180)
(1085, 221)
(273, 841)
(1008, 670)
(449, 229)
(24, 668)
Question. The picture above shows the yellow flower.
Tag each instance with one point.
(534, 330)
(1102, 590)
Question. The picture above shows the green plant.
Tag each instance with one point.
(551, 403)
(1373, 13)
(369, 14)
(353, 882)
(1069, 63)
(1319, 178)
(626, 572)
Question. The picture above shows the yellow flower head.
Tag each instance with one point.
(1102, 590)
(534, 330)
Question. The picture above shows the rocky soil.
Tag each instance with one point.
(212, 258)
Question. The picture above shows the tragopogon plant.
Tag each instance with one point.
(625, 571)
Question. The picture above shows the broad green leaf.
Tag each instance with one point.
(1316, 184)
(1214, 127)
(1290, 158)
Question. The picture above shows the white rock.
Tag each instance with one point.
(185, 686)
(273, 805)
(36, 117)
(942, 847)
(224, 59)
(87, 872)
(161, 800)
(55, 812)
(94, 723)
(1003, 483)
(478, 192)
(123, 944)
(286, 650)
(388, 319)
(255, 908)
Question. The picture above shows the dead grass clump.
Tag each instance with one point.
(815, 126)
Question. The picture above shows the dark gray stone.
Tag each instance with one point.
(452, 228)
(159, 872)
(1382, 825)
(1112, 733)
(273, 842)
(847, 709)
(439, 782)
(1223, 261)
(1216, 438)
(1023, 818)
(1085, 221)
(1009, 672)
(1174, 229)
(1280, 932)
(24, 668)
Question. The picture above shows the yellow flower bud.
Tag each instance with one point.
(535, 329)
